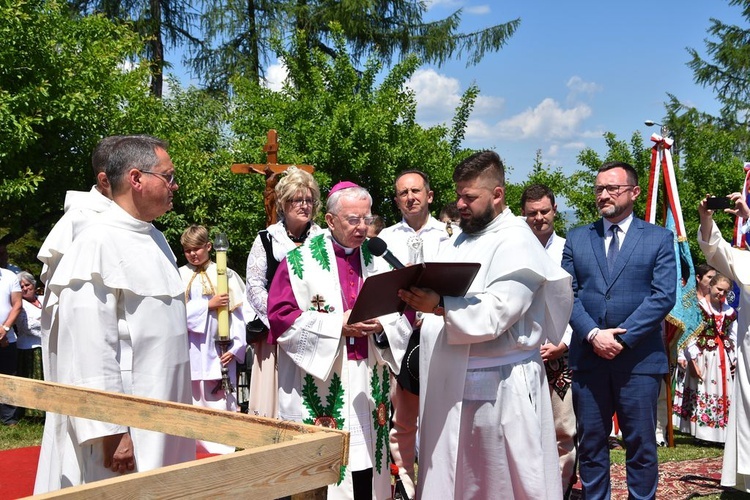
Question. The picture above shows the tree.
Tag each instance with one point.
(157, 21)
(336, 118)
(238, 33)
(62, 87)
(728, 72)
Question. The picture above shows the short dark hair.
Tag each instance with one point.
(100, 156)
(132, 152)
(536, 192)
(702, 269)
(450, 210)
(424, 177)
(478, 164)
(632, 174)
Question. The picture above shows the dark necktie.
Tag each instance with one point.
(614, 247)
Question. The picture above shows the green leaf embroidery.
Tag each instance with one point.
(311, 400)
(366, 254)
(380, 395)
(294, 260)
(319, 252)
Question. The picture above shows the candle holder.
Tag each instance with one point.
(223, 341)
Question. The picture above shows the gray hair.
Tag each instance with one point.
(27, 276)
(355, 193)
(132, 152)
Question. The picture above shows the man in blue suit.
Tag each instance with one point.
(624, 279)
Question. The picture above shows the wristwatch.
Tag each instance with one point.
(6, 328)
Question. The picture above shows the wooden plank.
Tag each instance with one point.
(309, 461)
(238, 429)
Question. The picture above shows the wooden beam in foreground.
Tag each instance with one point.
(266, 472)
(280, 458)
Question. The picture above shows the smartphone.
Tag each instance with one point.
(719, 203)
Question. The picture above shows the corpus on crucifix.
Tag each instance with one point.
(272, 170)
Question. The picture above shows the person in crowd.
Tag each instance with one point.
(539, 209)
(486, 428)
(10, 308)
(450, 216)
(703, 276)
(118, 283)
(377, 225)
(413, 240)
(704, 273)
(80, 207)
(29, 330)
(624, 278)
(202, 301)
(297, 204)
(735, 264)
(333, 373)
(706, 396)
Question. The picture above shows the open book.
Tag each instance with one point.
(379, 293)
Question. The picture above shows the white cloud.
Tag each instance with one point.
(478, 9)
(276, 74)
(548, 120)
(438, 96)
(579, 89)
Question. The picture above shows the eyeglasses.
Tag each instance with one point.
(170, 178)
(353, 220)
(298, 202)
(612, 189)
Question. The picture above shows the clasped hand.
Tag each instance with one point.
(605, 345)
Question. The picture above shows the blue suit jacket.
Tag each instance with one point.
(637, 296)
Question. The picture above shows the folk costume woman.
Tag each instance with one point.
(703, 406)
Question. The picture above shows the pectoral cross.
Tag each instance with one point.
(272, 170)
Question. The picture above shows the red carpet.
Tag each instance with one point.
(18, 472)
(677, 480)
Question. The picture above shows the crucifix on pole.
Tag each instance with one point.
(272, 170)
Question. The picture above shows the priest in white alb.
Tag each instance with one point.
(118, 282)
(486, 425)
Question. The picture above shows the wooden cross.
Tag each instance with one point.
(271, 169)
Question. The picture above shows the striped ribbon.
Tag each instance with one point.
(661, 156)
(740, 239)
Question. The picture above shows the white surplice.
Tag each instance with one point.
(486, 426)
(315, 372)
(80, 207)
(118, 283)
(264, 381)
(735, 263)
(203, 325)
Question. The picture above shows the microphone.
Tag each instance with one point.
(379, 248)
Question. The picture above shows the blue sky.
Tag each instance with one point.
(572, 71)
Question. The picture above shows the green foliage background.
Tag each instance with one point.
(67, 80)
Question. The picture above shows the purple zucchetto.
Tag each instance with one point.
(342, 185)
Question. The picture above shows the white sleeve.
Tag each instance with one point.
(88, 347)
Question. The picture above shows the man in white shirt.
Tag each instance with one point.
(538, 207)
(10, 308)
(413, 240)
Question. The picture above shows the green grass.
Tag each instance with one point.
(28, 432)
